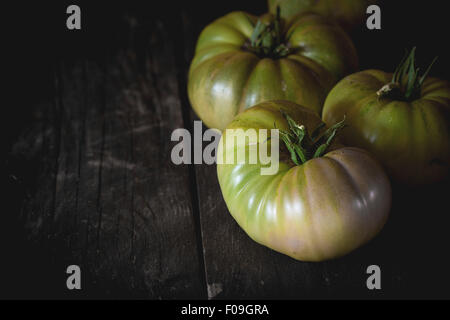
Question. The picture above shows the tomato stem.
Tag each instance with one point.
(302, 146)
(406, 84)
(267, 38)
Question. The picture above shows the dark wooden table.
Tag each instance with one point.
(90, 182)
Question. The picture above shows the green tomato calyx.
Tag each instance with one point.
(304, 147)
(406, 84)
(267, 39)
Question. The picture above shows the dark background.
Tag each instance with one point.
(37, 42)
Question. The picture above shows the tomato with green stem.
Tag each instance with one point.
(323, 201)
(402, 118)
(241, 60)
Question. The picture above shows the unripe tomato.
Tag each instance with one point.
(240, 62)
(317, 210)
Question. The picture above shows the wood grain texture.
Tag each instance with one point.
(108, 197)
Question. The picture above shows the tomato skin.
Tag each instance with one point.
(348, 13)
(225, 78)
(411, 139)
(320, 210)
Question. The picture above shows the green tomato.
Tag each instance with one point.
(348, 13)
(318, 210)
(238, 64)
(411, 138)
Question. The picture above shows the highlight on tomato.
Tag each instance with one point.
(402, 118)
(323, 202)
(241, 60)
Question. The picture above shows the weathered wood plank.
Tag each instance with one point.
(107, 197)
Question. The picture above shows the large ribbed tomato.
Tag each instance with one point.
(240, 62)
(315, 210)
(401, 121)
(348, 13)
